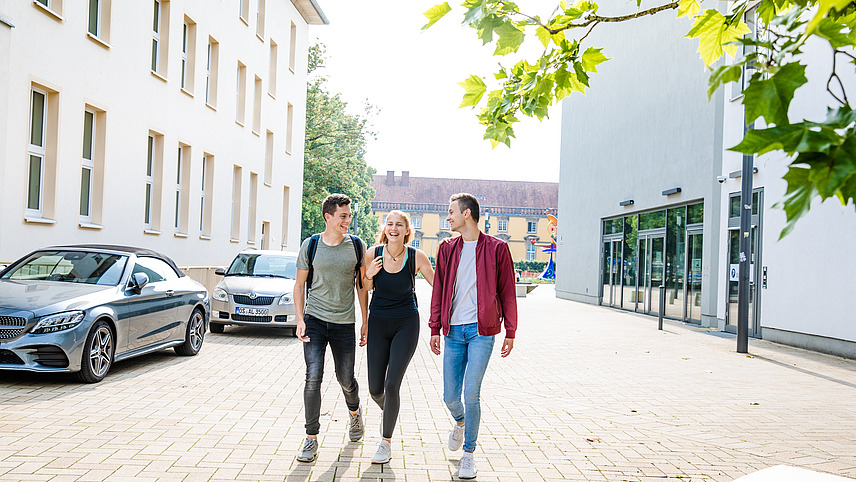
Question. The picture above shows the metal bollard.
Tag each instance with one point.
(662, 307)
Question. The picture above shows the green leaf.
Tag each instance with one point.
(715, 35)
(475, 89)
(790, 138)
(510, 38)
(544, 36)
(797, 200)
(723, 75)
(822, 9)
(486, 27)
(688, 8)
(772, 97)
(831, 30)
(435, 13)
(591, 58)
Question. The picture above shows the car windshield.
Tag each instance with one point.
(252, 264)
(70, 267)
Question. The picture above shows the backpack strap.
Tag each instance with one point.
(311, 248)
(358, 250)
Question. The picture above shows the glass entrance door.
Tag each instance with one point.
(651, 270)
(612, 265)
(693, 284)
(733, 273)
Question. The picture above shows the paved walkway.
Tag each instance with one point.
(588, 394)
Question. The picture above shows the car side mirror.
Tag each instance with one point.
(138, 281)
(220, 272)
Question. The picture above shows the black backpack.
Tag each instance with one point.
(313, 246)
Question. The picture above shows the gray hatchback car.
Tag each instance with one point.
(257, 290)
(81, 308)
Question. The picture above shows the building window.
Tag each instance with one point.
(286, 194)
(53, 7)
(251, 208)
(36, 163)
(274, 54)
(260, 19)
(292, 48)
(211, 72)
(530, 252)
(241, 93)
(154, 175)
(236, 203)
(444, 224)
(160, 37)
(257, 105)
(87, 177)
(502, 225)
(269, 158)
(244, 11)
(416, 243)
(182, 189)
(532, 227)
(205, 195)
(289, 128)
(188, 54)
(98, 25)
(417, 223)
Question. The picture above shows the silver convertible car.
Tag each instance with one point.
(256, 291)
(80, 308)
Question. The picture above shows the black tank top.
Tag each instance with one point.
(394, 294)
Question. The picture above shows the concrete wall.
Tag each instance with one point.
(115, 76)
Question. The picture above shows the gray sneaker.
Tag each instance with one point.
(383, 454)
(456, 437)
(356, 427)
(468, 467)
(309, 450)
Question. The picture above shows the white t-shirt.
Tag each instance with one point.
(464, 298)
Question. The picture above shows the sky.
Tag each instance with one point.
(376, 52)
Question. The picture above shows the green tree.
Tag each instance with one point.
(334, 154)
(823, 154)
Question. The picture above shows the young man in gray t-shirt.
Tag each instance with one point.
(327, 316)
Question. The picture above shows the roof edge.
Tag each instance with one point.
(313, 15)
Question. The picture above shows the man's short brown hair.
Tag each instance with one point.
(332, 203)
(467, 201)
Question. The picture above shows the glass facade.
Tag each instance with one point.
(641, 252)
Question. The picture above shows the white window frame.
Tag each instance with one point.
(502, 226)
(97, 31)
(150, 183)
(156, 26)
(202, 195)
(39, 151)
(88, 164)
(444, 224)
(416, 243)
(185, 30)
(208, 75)
(417, 222)
(531, 252)
(531, 227)
(179, 174)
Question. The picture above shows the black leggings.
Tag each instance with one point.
(391, 344)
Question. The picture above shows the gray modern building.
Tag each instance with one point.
(650, 195)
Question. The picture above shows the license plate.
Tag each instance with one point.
(251, 311)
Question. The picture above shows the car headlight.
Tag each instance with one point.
(220, 294)
(286, 299)
(58, 322)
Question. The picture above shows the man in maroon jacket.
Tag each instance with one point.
(473, 296)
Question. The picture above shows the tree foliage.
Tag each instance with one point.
(822, 154)
(334, 154)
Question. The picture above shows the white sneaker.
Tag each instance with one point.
(383, 454)
(468, 467)
(456, 437)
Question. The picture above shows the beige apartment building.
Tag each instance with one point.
(175, 125)
(514, 211)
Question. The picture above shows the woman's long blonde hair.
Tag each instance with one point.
(382, 239)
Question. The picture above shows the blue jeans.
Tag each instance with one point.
(342, 341)
(464, 365)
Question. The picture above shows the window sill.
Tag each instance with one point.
(735, 99)
(233, 240)
(86, 225)
(260, 37)
(245, 21)
(151, 231)
(272, 95)
(98, 41)
(268, 184)
(179, 235)
(251, 241)
(288, 152)
(187, 92)
(211, 106)
(37, 219)
(161, 77)
(204, 237)
(291, 68)
(45, 9)
(256, 133)
(240, 123)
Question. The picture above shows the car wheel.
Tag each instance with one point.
(97, 354)
(195, 335)
(216, 327)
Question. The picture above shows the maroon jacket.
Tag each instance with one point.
(496, 294)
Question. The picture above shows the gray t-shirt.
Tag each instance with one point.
(465, 296)
(331, 296)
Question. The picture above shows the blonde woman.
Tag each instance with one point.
(393, 328)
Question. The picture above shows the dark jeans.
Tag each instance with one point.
(391, 344)
(343, 341)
